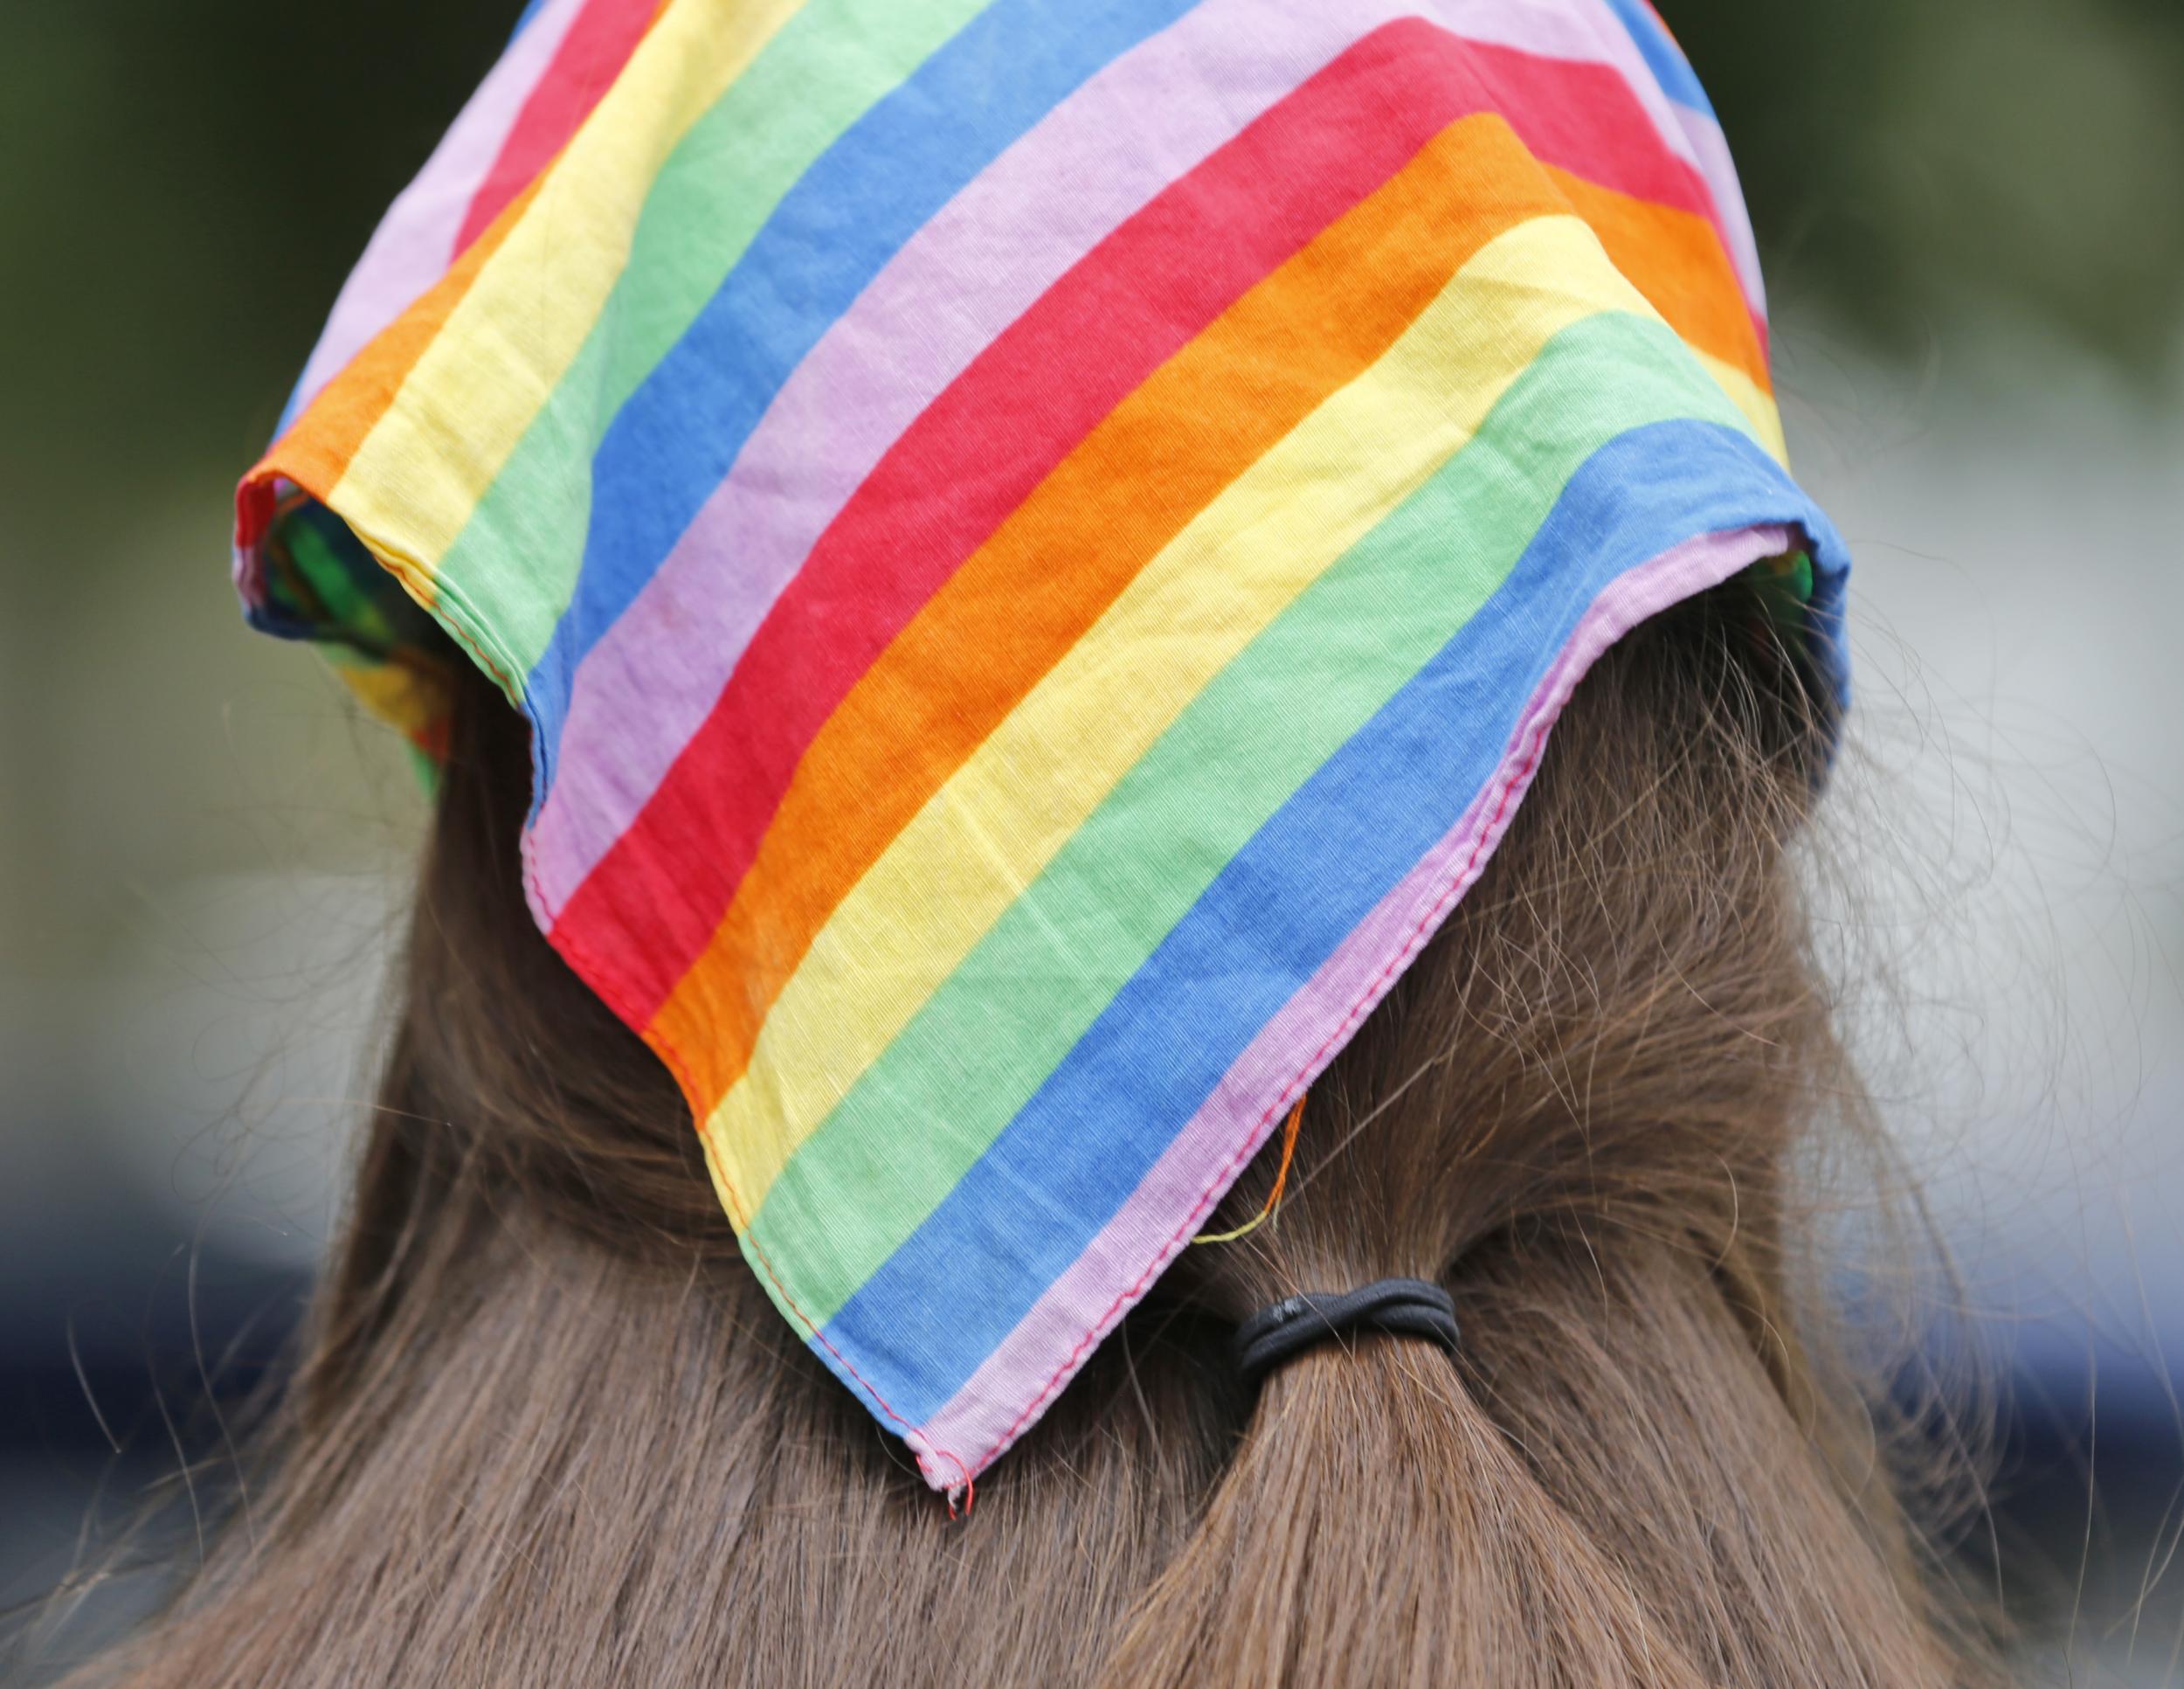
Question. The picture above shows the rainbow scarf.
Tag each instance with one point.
(1040, 542)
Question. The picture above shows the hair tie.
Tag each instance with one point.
(1170, 662)
(1408, 1307)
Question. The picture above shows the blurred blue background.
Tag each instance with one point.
(1976, 243)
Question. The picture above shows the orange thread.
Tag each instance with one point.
(1274, 1196)
(607, 981)
(1512, 789)
(1520, 764)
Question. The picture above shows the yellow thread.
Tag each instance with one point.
(1274, 1196)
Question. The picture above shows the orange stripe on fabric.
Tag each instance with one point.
(1031, 591)
(315, 453)
(1676, 262)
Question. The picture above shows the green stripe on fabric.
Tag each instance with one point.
(712, 196)
(979, 1051)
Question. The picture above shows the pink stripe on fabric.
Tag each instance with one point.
(1053, 1341)
(1710, 146)
(415, 241)
(1147, 118)
(593, 51)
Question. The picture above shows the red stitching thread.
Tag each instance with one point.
(1562, 680)
(1516, 783)
(609, 985)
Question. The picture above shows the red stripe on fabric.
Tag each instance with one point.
(591, 56)
(652, 902)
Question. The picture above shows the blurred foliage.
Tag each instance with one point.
(1905, 159)
(184, 183)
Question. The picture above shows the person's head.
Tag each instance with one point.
(548, 1428)
(1027, 558)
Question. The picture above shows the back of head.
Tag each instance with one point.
(547, 1430)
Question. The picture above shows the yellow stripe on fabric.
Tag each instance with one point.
(1034, 587)
(467, 400)
(391, 690)
(988, 833)
(1746, 394)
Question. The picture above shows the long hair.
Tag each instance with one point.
(545, 1428)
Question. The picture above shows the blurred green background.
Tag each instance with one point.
(1972, 221)
(183, 184)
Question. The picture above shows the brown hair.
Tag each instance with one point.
(547, 1428)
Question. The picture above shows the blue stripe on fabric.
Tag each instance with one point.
(1057, 1174)
(524, 22)
(672, 443)
(1663, 58)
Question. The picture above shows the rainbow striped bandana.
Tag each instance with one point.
(1040, 542)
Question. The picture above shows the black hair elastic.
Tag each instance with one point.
(1412, 1307)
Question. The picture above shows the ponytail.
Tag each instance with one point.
(1579, 1116)
(551, 1431)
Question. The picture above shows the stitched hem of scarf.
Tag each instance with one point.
(454, 613)
(1660, 585)
(609, 984)
(943, 1469)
